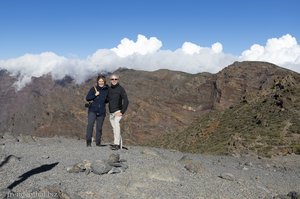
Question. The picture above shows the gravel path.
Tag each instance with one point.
(152, 173)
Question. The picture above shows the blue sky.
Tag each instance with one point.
(81, 27)
(81, 38)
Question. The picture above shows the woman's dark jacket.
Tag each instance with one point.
(117, 99)
(98, 102)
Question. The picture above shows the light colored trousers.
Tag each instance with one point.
(115, 123)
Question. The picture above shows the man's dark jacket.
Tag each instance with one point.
(98, 102)
(117, 99)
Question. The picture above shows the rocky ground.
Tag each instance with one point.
(33, 167)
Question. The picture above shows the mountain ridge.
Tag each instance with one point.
(266, 123)
(161, 102)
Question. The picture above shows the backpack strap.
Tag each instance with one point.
(95, 89)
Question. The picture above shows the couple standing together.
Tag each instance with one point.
(115, 95)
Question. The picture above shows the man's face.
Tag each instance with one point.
(114, 80)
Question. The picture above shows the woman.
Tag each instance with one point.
(96, 112)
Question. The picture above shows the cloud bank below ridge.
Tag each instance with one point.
(146, 54)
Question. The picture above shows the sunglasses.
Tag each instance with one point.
(113, 79)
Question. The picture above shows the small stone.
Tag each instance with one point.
(227, 176)
(194, 167)
(281, 197)
(245, 168)
(80, 167)
(113, 158)
(45, 156)
(294, 195)
(100, 167)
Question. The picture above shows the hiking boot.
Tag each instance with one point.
(89, 143)
(115, 147)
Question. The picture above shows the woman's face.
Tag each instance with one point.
(101, 82)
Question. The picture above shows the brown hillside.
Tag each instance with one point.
(161, 102)
(266, 121)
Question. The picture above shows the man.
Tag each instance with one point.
(118, 103)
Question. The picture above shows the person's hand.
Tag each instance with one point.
(97, 93)
(118, 114)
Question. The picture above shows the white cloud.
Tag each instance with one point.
(29, 65)
(142, 46)
(217, 47)
(37, 65)
(283, 51)
(190, 48)
(146, 54)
